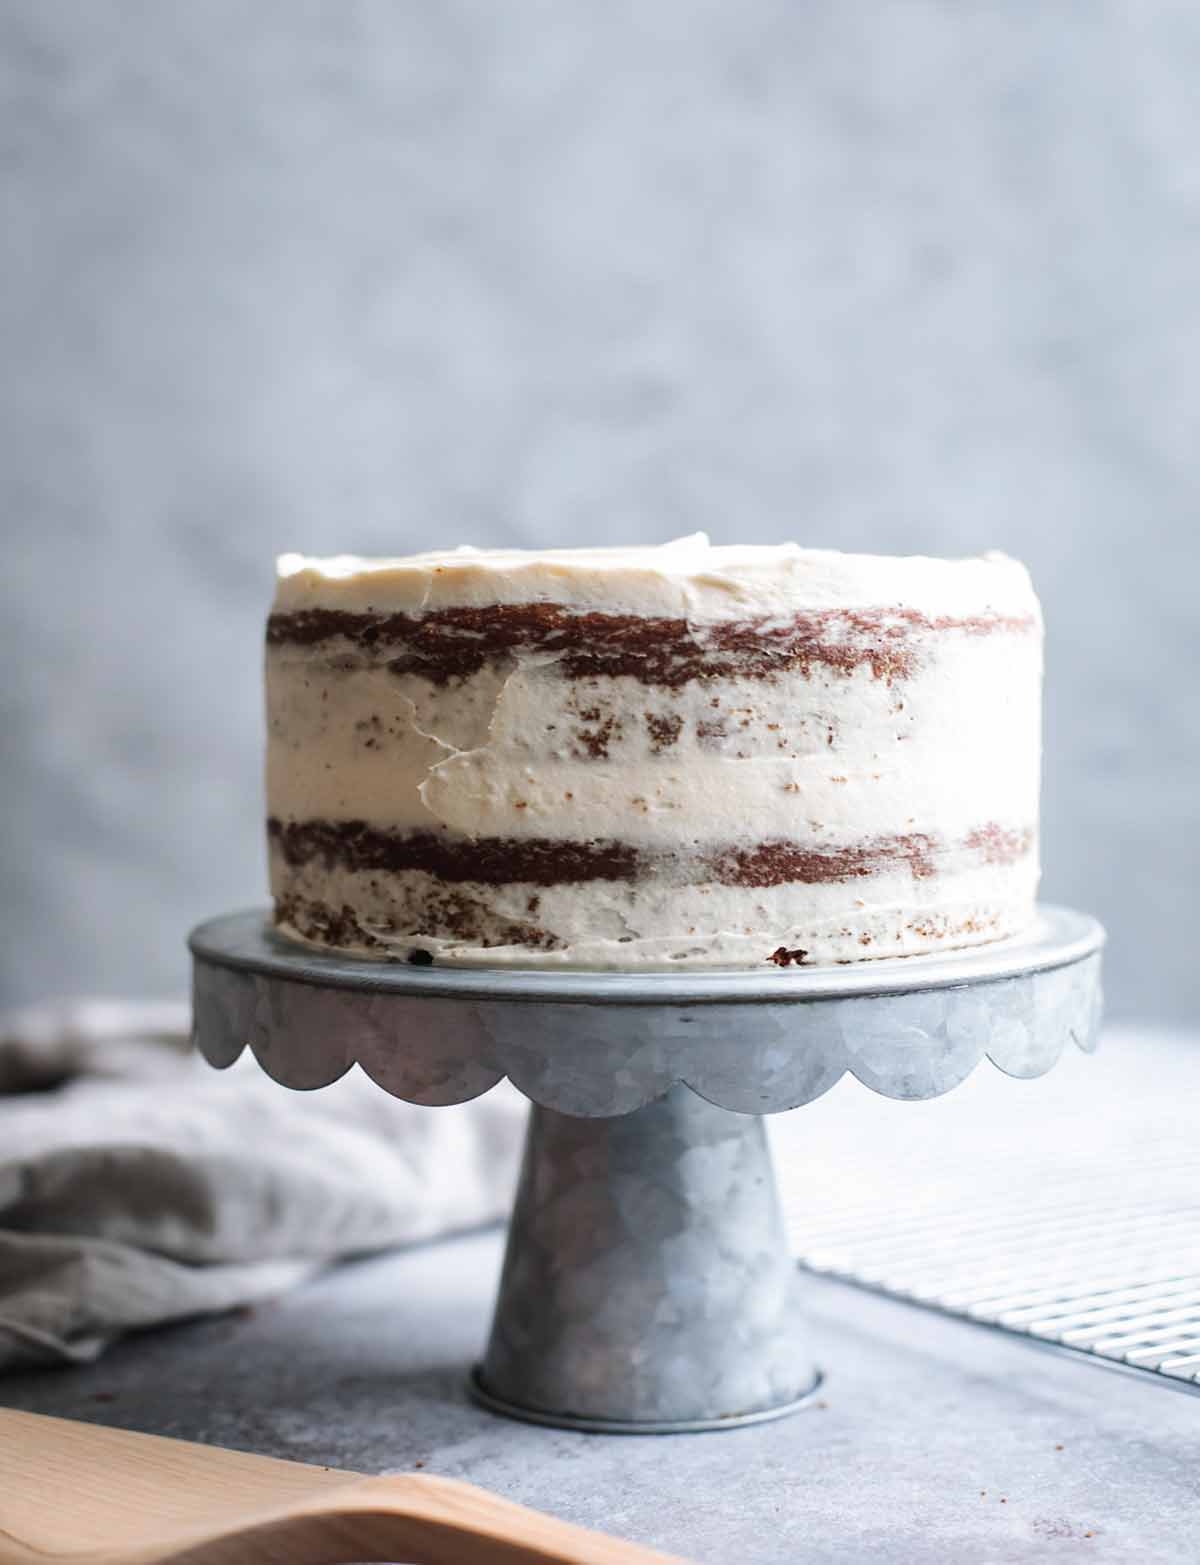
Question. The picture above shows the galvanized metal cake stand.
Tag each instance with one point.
(648, 1285)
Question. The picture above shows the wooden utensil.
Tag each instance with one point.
(108, 1497)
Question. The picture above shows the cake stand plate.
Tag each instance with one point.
(648, 1285)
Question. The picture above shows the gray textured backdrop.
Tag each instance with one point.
(900, 276)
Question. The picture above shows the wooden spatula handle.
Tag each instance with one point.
(424, 1521)
(94, 1496)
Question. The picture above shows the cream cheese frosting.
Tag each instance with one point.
(689, 576)
(630, 757)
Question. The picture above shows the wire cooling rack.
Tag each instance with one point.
(1068, 1215)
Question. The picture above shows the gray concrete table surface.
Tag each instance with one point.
(934, 1440)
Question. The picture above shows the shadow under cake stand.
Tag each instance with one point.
(648, 1285)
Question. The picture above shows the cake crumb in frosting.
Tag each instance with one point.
(782, 957)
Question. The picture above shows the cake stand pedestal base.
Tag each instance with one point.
(648, 1286)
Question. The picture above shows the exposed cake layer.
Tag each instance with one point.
(868, 904)
(683, 754)
(454, 644)
(552, 861)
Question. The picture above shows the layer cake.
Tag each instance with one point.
(653, 757)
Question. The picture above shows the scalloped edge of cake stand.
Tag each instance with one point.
(597, 1044)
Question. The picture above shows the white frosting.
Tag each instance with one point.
(689, 578)
(477, 757)
(819, 757)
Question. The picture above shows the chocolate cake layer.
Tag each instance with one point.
(486, 861)
(354, 845)
(455, 643)
(453, 916)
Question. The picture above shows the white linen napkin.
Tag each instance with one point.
(139, 1186)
